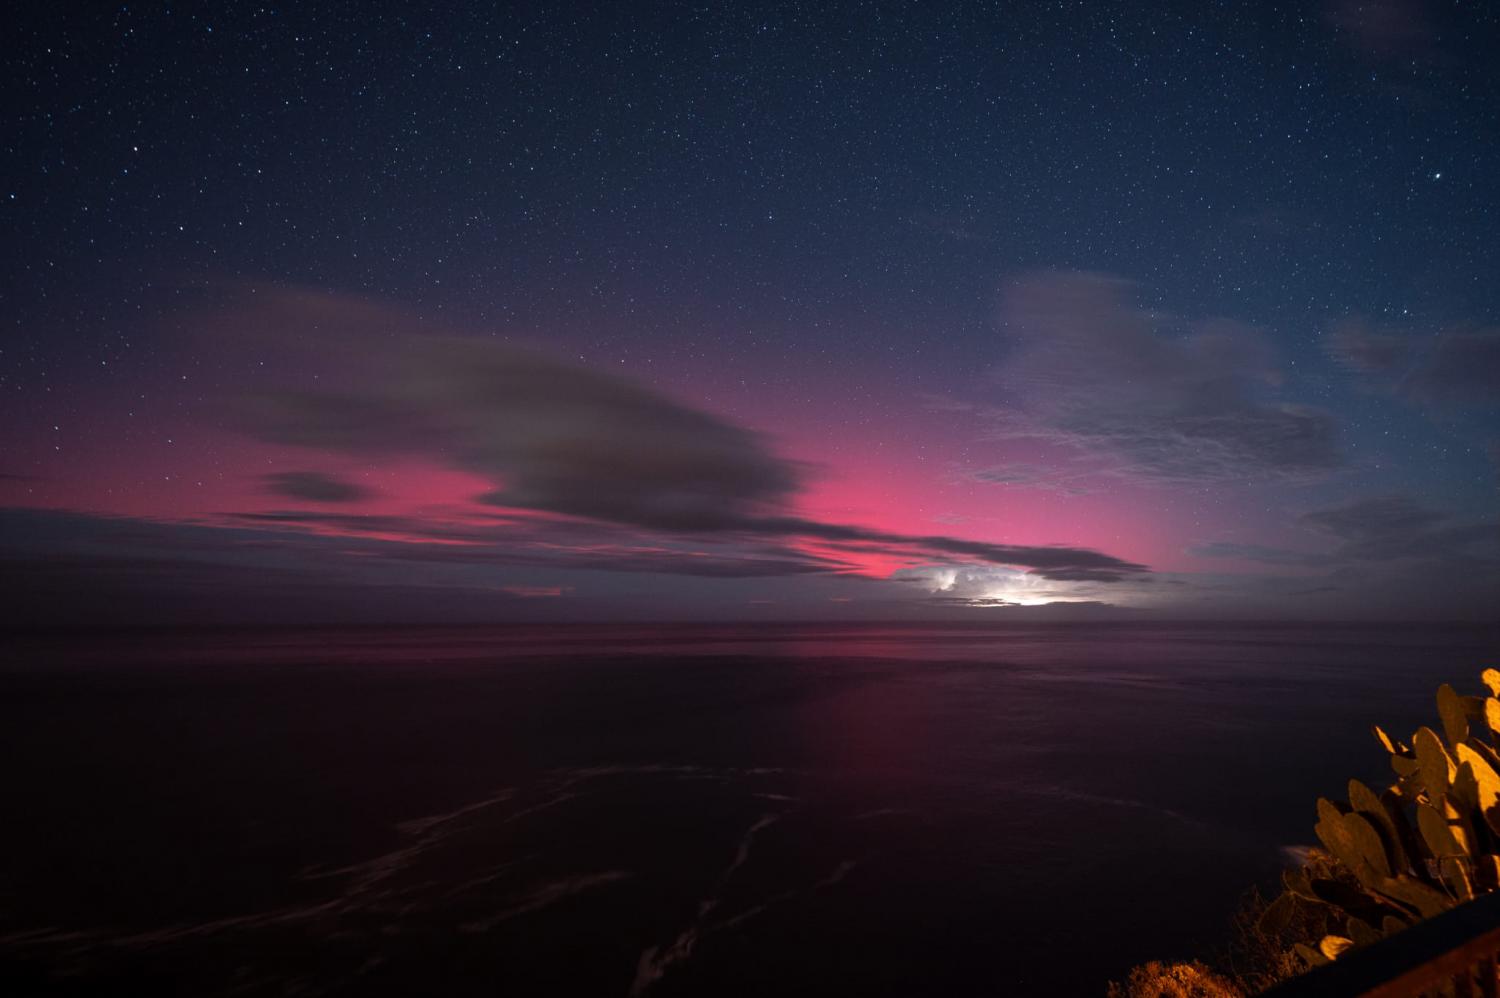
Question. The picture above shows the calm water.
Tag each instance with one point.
(827, 811)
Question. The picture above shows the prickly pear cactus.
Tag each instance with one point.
(1428, 842)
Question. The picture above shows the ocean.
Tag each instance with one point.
(671, 810)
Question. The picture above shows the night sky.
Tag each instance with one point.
(654, 311)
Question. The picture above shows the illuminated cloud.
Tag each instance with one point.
(983, 586)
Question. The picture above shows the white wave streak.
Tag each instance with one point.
(839, 873)
(545, 895)
(369, 888)
(418, 826)
(1064, 793)
(366, 890)
(686, 772)
(657, 960)
(426, 833)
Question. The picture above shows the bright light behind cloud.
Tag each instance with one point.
(985, 586)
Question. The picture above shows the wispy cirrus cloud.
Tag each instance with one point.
(1024, 475)
(989, 586)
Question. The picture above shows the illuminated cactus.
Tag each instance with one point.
(1429, 842)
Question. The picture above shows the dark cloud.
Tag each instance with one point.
(558, 438)
(544, 543)
(1455, 369)
(315, 486)
(1257, 552)
(82, 592)
(1391, 556)
(77, 569)
(1387, 528)
(1051, 562)
(1359, 348)
(552, 436)
(64, 569)
(1375, 519)
(1012, 474)
(1091, 370)
(1462, 369)
(597, 546)
(1379, 528)
(353, 550)
(1093, 574)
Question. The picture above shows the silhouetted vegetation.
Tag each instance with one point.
(1427, 842)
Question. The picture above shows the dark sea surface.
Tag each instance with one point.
(672, 810)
